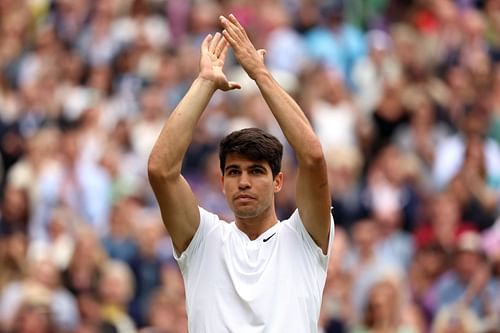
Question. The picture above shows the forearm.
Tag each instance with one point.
(312, 191)
(290, 117)
(169, 150)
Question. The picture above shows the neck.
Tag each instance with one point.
(253, 227)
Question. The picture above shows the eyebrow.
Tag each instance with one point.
(232, 166)
(237, 167)
(257, 166)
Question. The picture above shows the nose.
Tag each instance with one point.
(244, 181)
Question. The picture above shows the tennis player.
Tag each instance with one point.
(254, 274)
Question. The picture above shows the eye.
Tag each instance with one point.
(232, 172)
(257, 171)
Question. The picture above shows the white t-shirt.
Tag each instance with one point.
(271, 284)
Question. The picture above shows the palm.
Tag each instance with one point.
(212, 62)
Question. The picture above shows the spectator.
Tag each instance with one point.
(410, 116)
(371, 73)
(120, 243)
(384, 310)
(13, 248)
(280, 38)
(81, 185)
(35, 318)
(430, 263)
(345, 166)
(84, 269)
(60, 243)
(146, 264)
(15, 211)
(444, 225)
(336, 43)
(337, 311)
(42, 281)
(474, 188)
(466, 284)
(450, 151)
(166, 313)
(421, 135)
(116, 288)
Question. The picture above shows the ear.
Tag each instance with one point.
(222, 184)
(278, 182)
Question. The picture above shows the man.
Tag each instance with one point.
(255, 274)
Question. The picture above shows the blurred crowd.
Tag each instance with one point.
(403, 94)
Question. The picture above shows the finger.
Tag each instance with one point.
(229, 38)
(221, 45)
(230, 27)
(213, 43)
(235, 21)
(206, 42)
(223, 52)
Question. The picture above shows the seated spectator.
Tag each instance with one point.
(42, 280)
(344, 169)
(84, 269)
(119, 243)
(60, 244)
(35, 317)
(383, 311)
(429, 264)
(421, 135)
(164, 313)
(444, 223)
(473, 187)
(371, 72)
(82, 185)
(336, 43)
(146, 264)
(451, 152)
(13, 261)
(366, 263)
(116, 288)
(337, 307)
(467, 283)
(14, 211)
(91, 315)
(391, 199)
(392, 187)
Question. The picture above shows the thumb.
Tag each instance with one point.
(261, 52)
(234, 85)
(230, 85)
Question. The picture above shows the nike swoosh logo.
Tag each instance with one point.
(268, 238)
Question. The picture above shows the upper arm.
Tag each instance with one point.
(313, 198)
(179, 209)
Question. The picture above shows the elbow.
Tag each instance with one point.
(155, 169)
(159, 170)
(314, 156)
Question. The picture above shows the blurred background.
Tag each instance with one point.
(403, 94)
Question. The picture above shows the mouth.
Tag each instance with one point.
(243, 197)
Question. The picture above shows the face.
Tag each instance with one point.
(382, 301)
(249, 186)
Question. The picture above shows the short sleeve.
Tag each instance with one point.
(208, 221)
(296, 223)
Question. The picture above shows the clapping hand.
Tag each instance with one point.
(213, 55)
(249, 58)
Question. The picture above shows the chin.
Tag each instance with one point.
(246, 213)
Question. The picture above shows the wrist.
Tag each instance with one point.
(261, 74)
(205, 83)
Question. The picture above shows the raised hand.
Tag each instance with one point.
(249, 58)
(213, 55)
